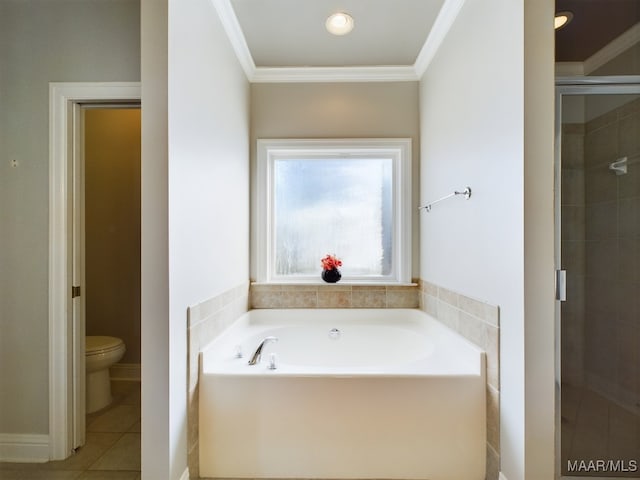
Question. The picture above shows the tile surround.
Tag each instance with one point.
(611, 258)
(600, 251)
(478, 322)
(333, 296)
(205, 321)
(576, 216)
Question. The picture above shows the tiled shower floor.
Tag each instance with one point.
(594, 428)
(112, 449)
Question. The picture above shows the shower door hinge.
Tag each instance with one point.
(75, 292)
(561, 285)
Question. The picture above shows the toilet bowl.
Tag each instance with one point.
(100, 353)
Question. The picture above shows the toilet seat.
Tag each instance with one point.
(99, 345)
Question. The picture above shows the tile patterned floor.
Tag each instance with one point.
(594, 428)
(112, 449)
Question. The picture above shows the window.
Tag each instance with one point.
(350, 198)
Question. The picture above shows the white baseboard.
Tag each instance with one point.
(24, 448)
(501, 476)
(185, 474)
(125, 371)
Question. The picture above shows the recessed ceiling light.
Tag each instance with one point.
(562, 19)
(339, 23)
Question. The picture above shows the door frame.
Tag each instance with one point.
(66, 323)
(596, 85)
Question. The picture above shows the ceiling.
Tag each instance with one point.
(291, 33)
(279, 40)
(286, 40)
(595, 24)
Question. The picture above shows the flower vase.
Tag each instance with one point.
(331, 275)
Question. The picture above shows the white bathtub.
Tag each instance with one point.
(393, 395)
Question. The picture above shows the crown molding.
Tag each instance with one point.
(334, 74)
(607, 53)
(445, 19)
(610, 51)
(569, 69)
(400, 73)
(236, 37)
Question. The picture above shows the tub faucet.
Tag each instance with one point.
(255, 358)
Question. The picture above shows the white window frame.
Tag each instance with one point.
(398, 149)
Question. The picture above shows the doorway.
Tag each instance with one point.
(112, 227)
(598, 245)
(107, 232)
(66, 309)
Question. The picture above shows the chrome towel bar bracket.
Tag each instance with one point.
(466, 193)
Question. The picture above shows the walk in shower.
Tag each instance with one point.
(598, 221)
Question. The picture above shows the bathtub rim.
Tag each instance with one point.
(264, 317)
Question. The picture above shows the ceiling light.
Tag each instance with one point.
(339, 23)
(562, 19)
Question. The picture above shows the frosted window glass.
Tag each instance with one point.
(337, 206)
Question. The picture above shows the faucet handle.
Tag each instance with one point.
(272, 361)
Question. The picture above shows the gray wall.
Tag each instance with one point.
(42, 41)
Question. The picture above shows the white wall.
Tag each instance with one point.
(208, 185)
(472, 125)
(498, 246)
(42, 41)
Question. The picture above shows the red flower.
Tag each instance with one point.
(330, 262)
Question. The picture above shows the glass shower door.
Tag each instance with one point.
(599, 327)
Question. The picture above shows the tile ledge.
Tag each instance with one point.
(321, 284)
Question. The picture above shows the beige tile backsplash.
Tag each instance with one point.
(478, 322)
(333, 296)
(205, 321)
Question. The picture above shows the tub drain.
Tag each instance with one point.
(334, 334)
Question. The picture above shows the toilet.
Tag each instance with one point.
(100, 352)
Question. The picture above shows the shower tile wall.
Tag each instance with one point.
(611, 264)
(573, 252)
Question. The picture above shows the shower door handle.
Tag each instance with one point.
(561, 285)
